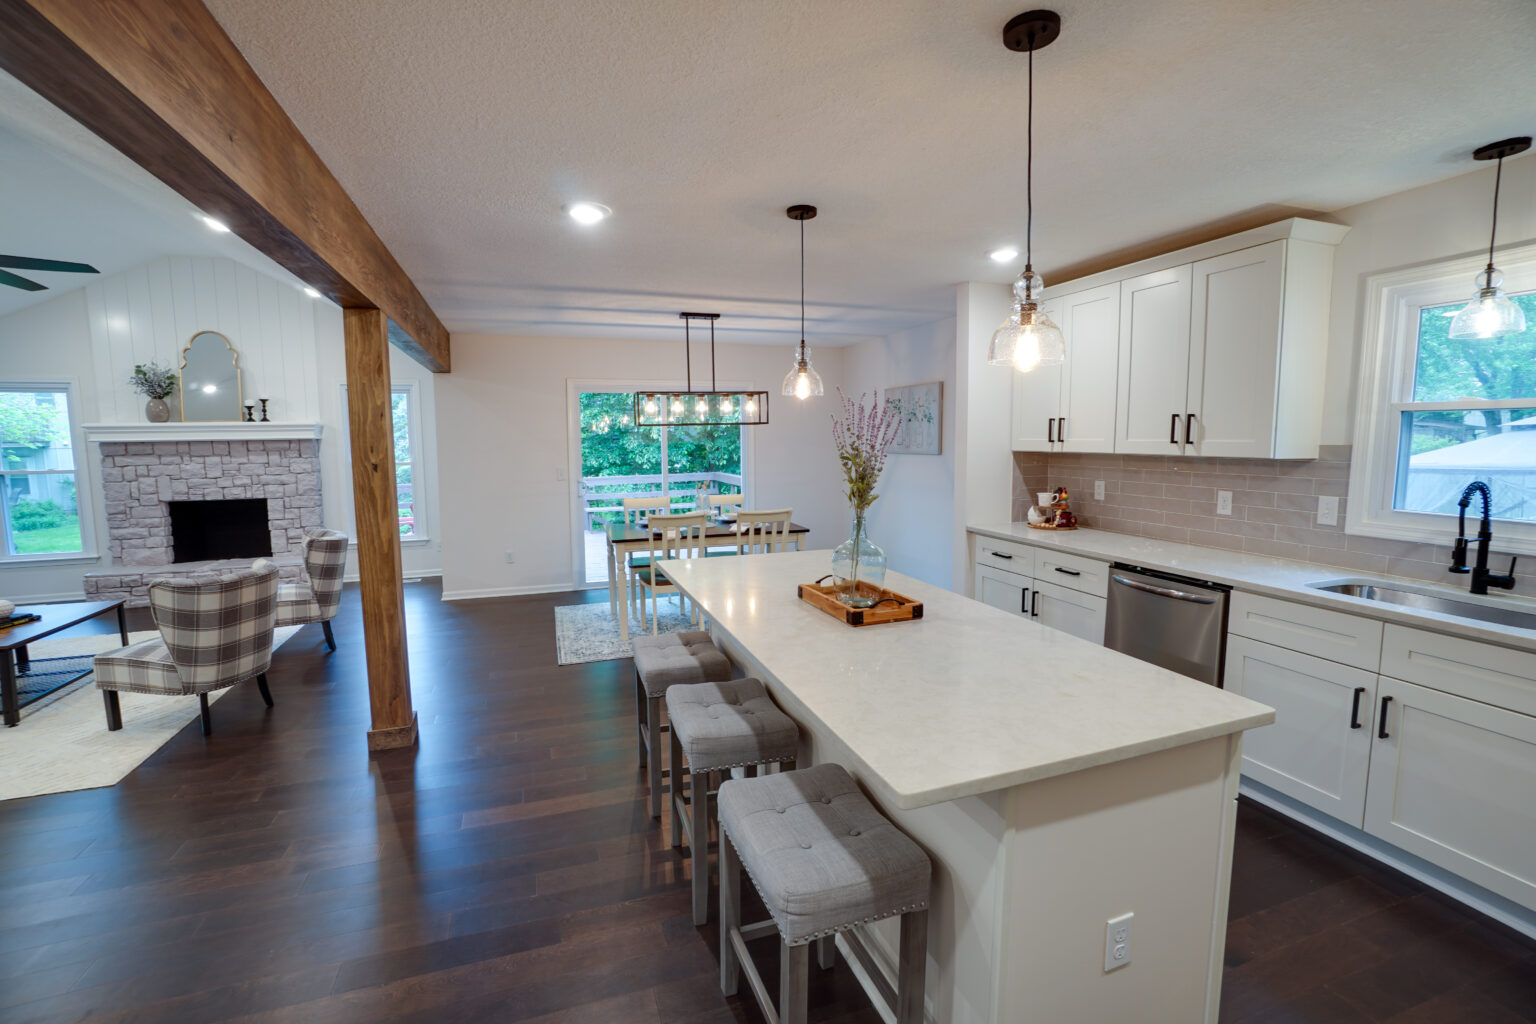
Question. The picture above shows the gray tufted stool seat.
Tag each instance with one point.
(660, 662)
(824, 860)
(717, 727)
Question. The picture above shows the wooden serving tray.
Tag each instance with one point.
(825, 597)
(1048, 526)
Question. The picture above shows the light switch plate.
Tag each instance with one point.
(1328, 510)
(1098, 490)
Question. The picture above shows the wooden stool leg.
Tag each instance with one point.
(795, 983)
(676, 762)
(912, 969)
(730, 915)
(653, 734)
(640, 717)
(699, 842)
(826, 952)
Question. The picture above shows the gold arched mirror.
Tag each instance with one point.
(210, 380)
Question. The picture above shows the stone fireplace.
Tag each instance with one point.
(141, 478)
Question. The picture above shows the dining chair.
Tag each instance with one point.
(764, 532)
(672, 536)
(636, 510)
(720, 504)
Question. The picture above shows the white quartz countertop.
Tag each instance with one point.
(1277, 577)
(967, 700)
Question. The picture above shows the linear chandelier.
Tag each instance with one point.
(690, 408)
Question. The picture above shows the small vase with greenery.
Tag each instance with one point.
(863, 437)
(156, 383)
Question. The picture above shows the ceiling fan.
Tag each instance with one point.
(29, 263)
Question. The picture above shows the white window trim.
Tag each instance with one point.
(1392, 304)
(85, 470)
(422, 534)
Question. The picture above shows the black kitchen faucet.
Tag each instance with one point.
(1482, 579)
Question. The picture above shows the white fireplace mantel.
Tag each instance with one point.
(99, 432)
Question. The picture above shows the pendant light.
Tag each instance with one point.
(802, 381)
(690, 408)
(1491, 314)
(1028, 338)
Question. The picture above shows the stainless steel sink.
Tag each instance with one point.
(1430, 602)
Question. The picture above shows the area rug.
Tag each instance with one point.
(587, 632)
(62, 743)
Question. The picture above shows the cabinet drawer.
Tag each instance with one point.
(1070, 611)
(1494, 675)
(1072, 571)
(1007, 555)
(1005, 591)
(1337, 636)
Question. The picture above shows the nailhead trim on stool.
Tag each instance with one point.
(717, 727)
(862, 869)
(660, 662)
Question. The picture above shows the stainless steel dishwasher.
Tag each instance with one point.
(1173, 621)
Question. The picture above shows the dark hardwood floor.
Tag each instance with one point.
(507, 870)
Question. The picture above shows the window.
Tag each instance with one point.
(1437, 413)
(39, 504)
(405, 451)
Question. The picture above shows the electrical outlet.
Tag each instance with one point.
(1328, 510)
(1117, 941)
(511, 557)
(560, 473)
(1223, 503)
(1098, 490)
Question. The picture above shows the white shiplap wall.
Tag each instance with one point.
(152, 311)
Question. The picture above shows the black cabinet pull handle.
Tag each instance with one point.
(1061, 435)
(1173, 429)
(1189, 423)
(1381, 727)
(1354, 712)
(999, 554)
(1034, 603)
(1050, 430)
(1069, 572)
(1024, 601)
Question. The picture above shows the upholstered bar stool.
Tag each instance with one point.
(717, 727)
(824, 860)
(660, 662)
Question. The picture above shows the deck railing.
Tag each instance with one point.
(602, 496)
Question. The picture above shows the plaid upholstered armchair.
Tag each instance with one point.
(214, 632)
(316, 598)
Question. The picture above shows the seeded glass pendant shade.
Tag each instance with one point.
(802, 381)
(1491, 314)
(1028, 338)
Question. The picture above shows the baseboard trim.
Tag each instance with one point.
(392, 738)
(409, 574)
(536, 588)
(68, 595)
(1493, 905)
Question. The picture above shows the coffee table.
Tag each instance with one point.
(55, 617)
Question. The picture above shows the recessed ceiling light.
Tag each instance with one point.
(312, 291)
(1007, 254)
(587, 213)
(214, 224)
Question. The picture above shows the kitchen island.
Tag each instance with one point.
(1055, 784)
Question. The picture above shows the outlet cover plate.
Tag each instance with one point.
(1327, 510)
(1223, 503)
(1117, 941)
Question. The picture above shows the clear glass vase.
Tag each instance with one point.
(856, 561)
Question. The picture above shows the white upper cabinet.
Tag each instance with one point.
(1219, 350)
(1154, 362)
(1088, 397)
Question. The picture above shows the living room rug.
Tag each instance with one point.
(587, 632)
(62, 743)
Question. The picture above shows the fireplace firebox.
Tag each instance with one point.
(232, 528)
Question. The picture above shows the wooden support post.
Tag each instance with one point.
(378, 530)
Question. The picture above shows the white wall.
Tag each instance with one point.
(290, 349)
(1423, 225)
(983, 422)
(506, 450)
(914, 517)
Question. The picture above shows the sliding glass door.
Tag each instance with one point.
(678, 465)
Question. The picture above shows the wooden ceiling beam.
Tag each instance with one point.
(162, 82)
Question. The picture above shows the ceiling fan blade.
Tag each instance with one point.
(59, 266)
(16, 281)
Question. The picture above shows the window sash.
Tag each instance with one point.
(67, 390)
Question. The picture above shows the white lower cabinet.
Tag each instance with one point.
(1453, 781)
(1002, 589)
(1070, 611)
(1319, 746)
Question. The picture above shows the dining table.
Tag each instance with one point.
(623, 539)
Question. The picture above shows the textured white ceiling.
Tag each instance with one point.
(67, 195)
(461, 127)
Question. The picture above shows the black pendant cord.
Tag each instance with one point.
(713, 385)
(1029, 163)
(1498, 176)
(802, 290)
(688, 351)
